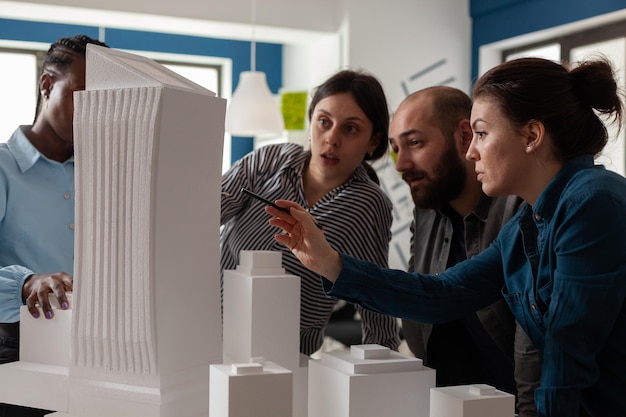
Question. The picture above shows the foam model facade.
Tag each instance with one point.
(147, 317)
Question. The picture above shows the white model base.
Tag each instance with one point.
(182, 395)
(477, 400)
(369, 381)
(250, 389)
(39, 378)
(34, 385)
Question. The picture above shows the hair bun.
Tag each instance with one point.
(595, 85)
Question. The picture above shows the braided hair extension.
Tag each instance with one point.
(60, 56)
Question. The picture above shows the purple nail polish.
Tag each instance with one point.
(64, 305)
(36, 315)
(48, 314)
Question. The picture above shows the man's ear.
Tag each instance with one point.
(465, 134)
(534, 134)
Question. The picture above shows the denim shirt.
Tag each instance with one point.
(561, 266)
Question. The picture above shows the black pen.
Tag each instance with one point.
(269, 203)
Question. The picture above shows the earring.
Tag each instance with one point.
(45, 98)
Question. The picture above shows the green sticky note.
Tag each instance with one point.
(293, 107)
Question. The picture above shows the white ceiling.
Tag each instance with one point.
(284, 21)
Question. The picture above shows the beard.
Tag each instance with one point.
(443, 186)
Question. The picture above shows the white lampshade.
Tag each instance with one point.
(253, 110)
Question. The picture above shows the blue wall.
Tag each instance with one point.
(495, 20)
(269, 56)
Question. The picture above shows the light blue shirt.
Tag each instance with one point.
(36, 219)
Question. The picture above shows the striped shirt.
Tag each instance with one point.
(356, 217)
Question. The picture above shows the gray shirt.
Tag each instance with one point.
(431, 242)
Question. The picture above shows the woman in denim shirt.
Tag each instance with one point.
(560, 263)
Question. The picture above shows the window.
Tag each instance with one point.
(20, 71)
(18, 81)
(207, 76)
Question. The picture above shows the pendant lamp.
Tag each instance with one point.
(252, 109)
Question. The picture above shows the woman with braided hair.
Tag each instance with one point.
(37, 200)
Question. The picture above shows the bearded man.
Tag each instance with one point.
(454, 220)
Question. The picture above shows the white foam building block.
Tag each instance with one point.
(53, 334)
(369, 381)
(262, 318)
(43, 364)
(477, 400)
(250, 389)
(261, 310)
(146, 323)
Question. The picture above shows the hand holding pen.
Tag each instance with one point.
(303, 237)
(271, 204)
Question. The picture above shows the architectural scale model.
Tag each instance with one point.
(143, 336)
(145, 323)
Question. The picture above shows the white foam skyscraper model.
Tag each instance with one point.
(148, 168)
(369, 381)
(478, 400)
(262, 318)
(145, 324)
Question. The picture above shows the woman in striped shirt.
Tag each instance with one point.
(349, 123)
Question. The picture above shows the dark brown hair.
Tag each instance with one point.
(564, 100)
(368, 94)
(62, 53)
